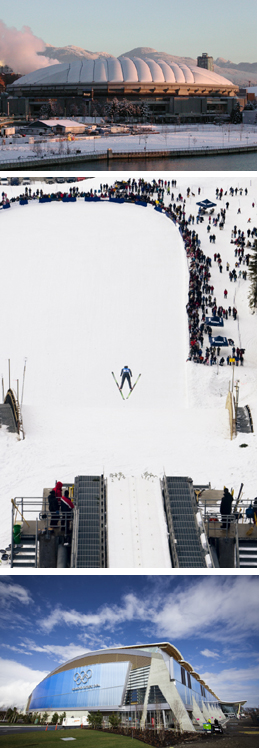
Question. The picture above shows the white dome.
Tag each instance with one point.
(105, 70)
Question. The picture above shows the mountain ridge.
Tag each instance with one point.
(240, 74)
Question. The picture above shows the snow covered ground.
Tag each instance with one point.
(89, 288)
(169, 138)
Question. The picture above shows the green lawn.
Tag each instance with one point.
(83, 738)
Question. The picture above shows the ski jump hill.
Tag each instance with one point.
(91, 287)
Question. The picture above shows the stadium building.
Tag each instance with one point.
(170, 90)
(148, 685)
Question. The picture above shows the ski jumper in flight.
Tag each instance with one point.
(126, 374)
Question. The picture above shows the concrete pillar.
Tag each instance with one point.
(159, 675)
(206, 712)
(196, 711)
(216, 712)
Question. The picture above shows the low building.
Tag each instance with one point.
(61, 126)
(249, 116)
(8, 130)
(147, 685)
(17, 106)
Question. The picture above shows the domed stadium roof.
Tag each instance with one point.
(123, 70)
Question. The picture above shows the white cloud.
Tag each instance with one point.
(233, 683)
(209, 653)
(109, 616)
(61, 653)
(16, 683)
(10, 592)
(15, 649)
(205, 606)
(211, 606)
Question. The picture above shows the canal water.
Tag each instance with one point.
(240, 162)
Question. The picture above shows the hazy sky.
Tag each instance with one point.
(223, 28)
(49, 619)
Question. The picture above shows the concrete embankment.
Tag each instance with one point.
(108, 155)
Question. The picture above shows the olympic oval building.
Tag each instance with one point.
(159, 83)
(144, 684)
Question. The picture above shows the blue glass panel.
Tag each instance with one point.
(98, 685)
(188, 696)
(181, 689)
(177, 671)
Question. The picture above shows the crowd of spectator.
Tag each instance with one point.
(202, 303)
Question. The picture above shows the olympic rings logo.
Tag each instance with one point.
(82, 677)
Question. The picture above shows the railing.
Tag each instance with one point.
(210, 510)
(172, 540)
(74, 547)
(26, 510)
(36, 544)
(237, 558)
(226, 524)
(202, 530)
(18, 508)
(145, 151)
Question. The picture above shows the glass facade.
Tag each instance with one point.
(98, 685)
(135, 696)
(188, 687)
(121, 685)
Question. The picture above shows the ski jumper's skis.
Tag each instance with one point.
(133, 386)
(118, 386)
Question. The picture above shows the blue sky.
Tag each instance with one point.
(49, 619)
(223, 29)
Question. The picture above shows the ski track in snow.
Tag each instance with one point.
(91, 287)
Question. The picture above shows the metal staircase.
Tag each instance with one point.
(89, 533)
(247, 552)
(24, 553)
(181, 509)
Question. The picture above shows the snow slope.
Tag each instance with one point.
(90, 288)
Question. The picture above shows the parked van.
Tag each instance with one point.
(72, 722)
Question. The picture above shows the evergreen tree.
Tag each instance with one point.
(144, 111)
(236, 115)
(95, 719)
(252, 296)
(114, 720)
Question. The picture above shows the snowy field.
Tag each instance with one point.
(168, 138)
(92, 287)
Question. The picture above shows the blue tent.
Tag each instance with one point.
(206, 204)
(218, 340)
(215, 321)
